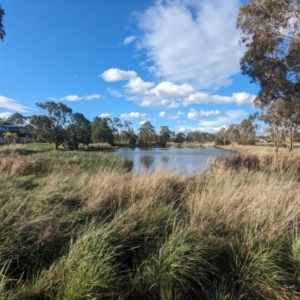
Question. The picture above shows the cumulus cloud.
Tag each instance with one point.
(11, 104)
(129, 39)
(223, 120)
(168, 94)
(169, 116)
(133, 115)
(170, 90)
(192, 41)
(198, 115)
(162, 114)
(73, 98)
(137, 85)
(105, 115)
(114, 74)
(240, 99)
(229, 117)
(156, 102)
(182, 129)
(5, 115)
(142, 122)
(92, 97)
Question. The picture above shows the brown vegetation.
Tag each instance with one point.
(82, 231)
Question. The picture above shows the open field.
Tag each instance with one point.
(78, 226)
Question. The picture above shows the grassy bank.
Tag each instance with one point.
(81, 227)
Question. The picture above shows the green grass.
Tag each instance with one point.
(78, 226)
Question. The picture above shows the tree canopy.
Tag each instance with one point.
(270, 31)
(147, 134)
(51, 125)
(101, 131)
(2, 31)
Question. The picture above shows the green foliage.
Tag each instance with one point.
(165, 134)
(2, 31)
(17, 119)
(51, 125)
(247, 130)
(84, 229)
(200, 137)
(270, 32)
(101, 131)
(179, 137)
(4, 122)
(147, 134)
(79, 131)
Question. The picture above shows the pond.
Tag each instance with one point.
(187, 161)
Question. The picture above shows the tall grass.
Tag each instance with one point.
(82, 228)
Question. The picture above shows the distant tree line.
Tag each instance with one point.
(58, 124)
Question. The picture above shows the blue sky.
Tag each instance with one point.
(172, 62)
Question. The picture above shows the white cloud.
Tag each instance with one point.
(129, 39)
(114, 74)
(162, 114)
(11, 104)
(182, 129)
(165, 115)
(192, 41)
(142, 122)
(71, 98)
(133, 115)
(241, 98)
(211, 129)
(198, 115)
(5, 115)
(229, 117)
(152, 101)
(170, 90)
(93, 96)
(137, 85)
(114, 92)
(105, 115)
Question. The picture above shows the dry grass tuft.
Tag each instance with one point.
(89, 228)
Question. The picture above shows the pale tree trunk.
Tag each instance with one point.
(276, 136)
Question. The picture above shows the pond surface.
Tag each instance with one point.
(187, 161)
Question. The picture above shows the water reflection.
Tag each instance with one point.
(147, 161)
(164, 160)
(186, 161)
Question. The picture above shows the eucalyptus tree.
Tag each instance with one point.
(18, 119)
(223, 135)
(180, 137)
(101, 131)
(247, 129)
(233, 133)
(165, 134)
(147, 134)
(283, 120)
(78, 131)
(270, 31)
(51, 124)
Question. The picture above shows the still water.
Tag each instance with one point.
(187, 161)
